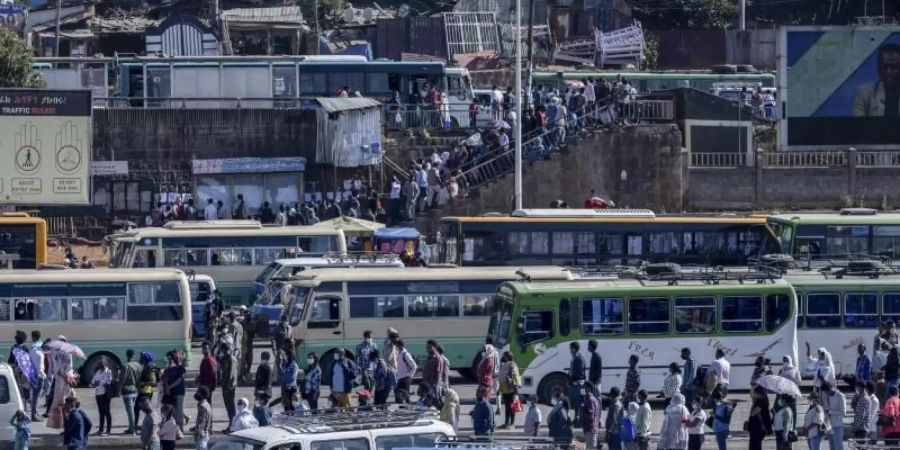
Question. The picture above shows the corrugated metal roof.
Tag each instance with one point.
(337, 104)
(279, 14)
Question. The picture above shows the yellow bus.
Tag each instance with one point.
(24, 238)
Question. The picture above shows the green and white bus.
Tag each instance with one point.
(850, 232)
(329, 309)
(538, 320)
(105, 312)
(232, 252)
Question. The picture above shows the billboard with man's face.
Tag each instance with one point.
(840, 87)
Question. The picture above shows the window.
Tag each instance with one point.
(231, 257)
(341, 444)
(312, 83)
(98, 308)
(778, 308)
(325, 313)
(823, 310)
(695, 315)
(318, 244)
(703, 243)
(890, 306)
(433, 306)
(521, 243)
(268, 255)
(154, 302)
(477, 305)
(886, 240)
(482, 247)
(602, 316)
(664, 244)
(377, 83)
(407, 441)
(564, 319)
(861, 310)
(298, 304)
(611, 244)
(4, 309)
(41, 309)
(842, 240)
(144, 258)
(182, 257)
(538, 326)
(648, 315)
(742, 314)
(4, 391)
(574, 243)
(376, 307)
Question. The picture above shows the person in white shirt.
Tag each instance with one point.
(210, 212)
(814, 423)
(696, 428)
(836, 407)
(406, 368)
(824, 369)
(782, 423)
(722, 368)
(37, 360)
(533, 418)
(874, 408)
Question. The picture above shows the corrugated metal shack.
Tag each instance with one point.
(349, 131)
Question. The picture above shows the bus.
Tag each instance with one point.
(23, 241)
(329, 309)
(232, 252)
(655, 81)
(651, 319)
(104, 312)
(852, 232)
(600, 237)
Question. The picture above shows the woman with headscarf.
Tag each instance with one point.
(759, 424)
(790, 372)
(64, 385)
(485, 371)
(450, 410)
(673, 435)
(243, 417)
(892, 370)
(824, 368)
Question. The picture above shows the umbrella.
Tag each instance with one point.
(498, 123)
(779, 385)
(65, 347)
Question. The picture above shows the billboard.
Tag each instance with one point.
(45, 143)
(840, 87)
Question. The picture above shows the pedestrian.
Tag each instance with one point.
(102, 384)
(632, 379)
(595, 368)
(720, 369)
(824, 369)
(203, 428)
(862, 409)
(485, 369)
(672, 383)
(243, 417)
(150, 425)
(782, 424)
(174, 387)
(383, 379)
(450, 409)
(75, 430)
(63, 387)
(673, 434)
(559, 425)
(240, 211)
(759, 422)
(343, 375)
(227, 377)
(482, 415)
(697, 426)
(210, 212)
(406, 368)
(643, 421)
(760, 368)
(169, 431)
(262, 382)
(433, 371)
(207, 376)
(312, 382)
(389, 347)
(791, 372)
(22, 424)
(576, 379)
(533, 418)
(863, 364)
(509, 388)
(836, 407)
(722, 412)
(363, 350)
(246, 343)
(614, 416)
(892, 369)
(445, 368)
(814, 423)
(128, 388)
(37, 361)
(874, 409)
(261, 410)
(688, 376)
(628, 434)
(146, 383)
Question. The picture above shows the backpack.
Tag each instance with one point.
(627, 432)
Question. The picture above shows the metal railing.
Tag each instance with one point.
(878, 159)
(805, 159)
(719, 159)
(648, 110)
(200, 103)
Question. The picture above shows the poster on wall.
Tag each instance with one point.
(13, 17)
(45, 137)
(840, 87)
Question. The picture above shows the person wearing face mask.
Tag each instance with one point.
(613, 419)
(261, 411)
(363, 350)
(204, 425)
(783, 424)
(288, 381)
(383, 379)
(789, 371)
(533, 418)
(823, 369)
(150, 426)
(312, 382)
(696, 427)
(243, 418)
(343, 373)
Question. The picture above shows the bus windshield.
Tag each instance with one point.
(122, 250)
(299, 296)
(785, 234)
(500, 321)
(272, 294)
(267, 272)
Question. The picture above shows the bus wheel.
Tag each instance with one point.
(90, 366)
(550, 384)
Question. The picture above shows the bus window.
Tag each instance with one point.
(536, 326)
(777, 310)
(180, 257)
(145, 258)
(325, 313)
(847, 239)
(574, 243)
(482, 247)
(742, 314)
(376, 307)
(823, 310)
(648, 315)
(664, 244)
(602, 316)
(298, 304)
(41, 309)
(434, 306)
(564, 319)
(477, 305)
(695, 315)
(861, 310)
(890, 306)
(886, 241)
(527, 243)
(103, 308)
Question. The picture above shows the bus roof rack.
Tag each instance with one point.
(861, 268)
(213, 225)
(355, 257)
(360, 418)
(594, 272)
(506, 443)
(858, 212)
(711, 276)
(601, 212)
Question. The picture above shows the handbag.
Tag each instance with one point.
(517, 405)
(792, 436)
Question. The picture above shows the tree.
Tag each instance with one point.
(15, 62)
(684, 14)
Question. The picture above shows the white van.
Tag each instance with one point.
(10, 402)
(370, 430)
(202, 288)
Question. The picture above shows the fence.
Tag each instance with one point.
(719, 159)
(797, 159)
(648, 110)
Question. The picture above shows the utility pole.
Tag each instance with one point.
(316, 13)
(528, 88)
(743, 15)
(519, 118)
(58, 14)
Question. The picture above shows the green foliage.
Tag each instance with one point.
(685, 14)
(329, 12)
(15, 62)
(651, 51)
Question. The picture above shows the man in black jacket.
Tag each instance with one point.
(576, 378)
(595, 372)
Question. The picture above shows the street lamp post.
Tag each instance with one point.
(519, 98)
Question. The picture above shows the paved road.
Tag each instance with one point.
(47, 438)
